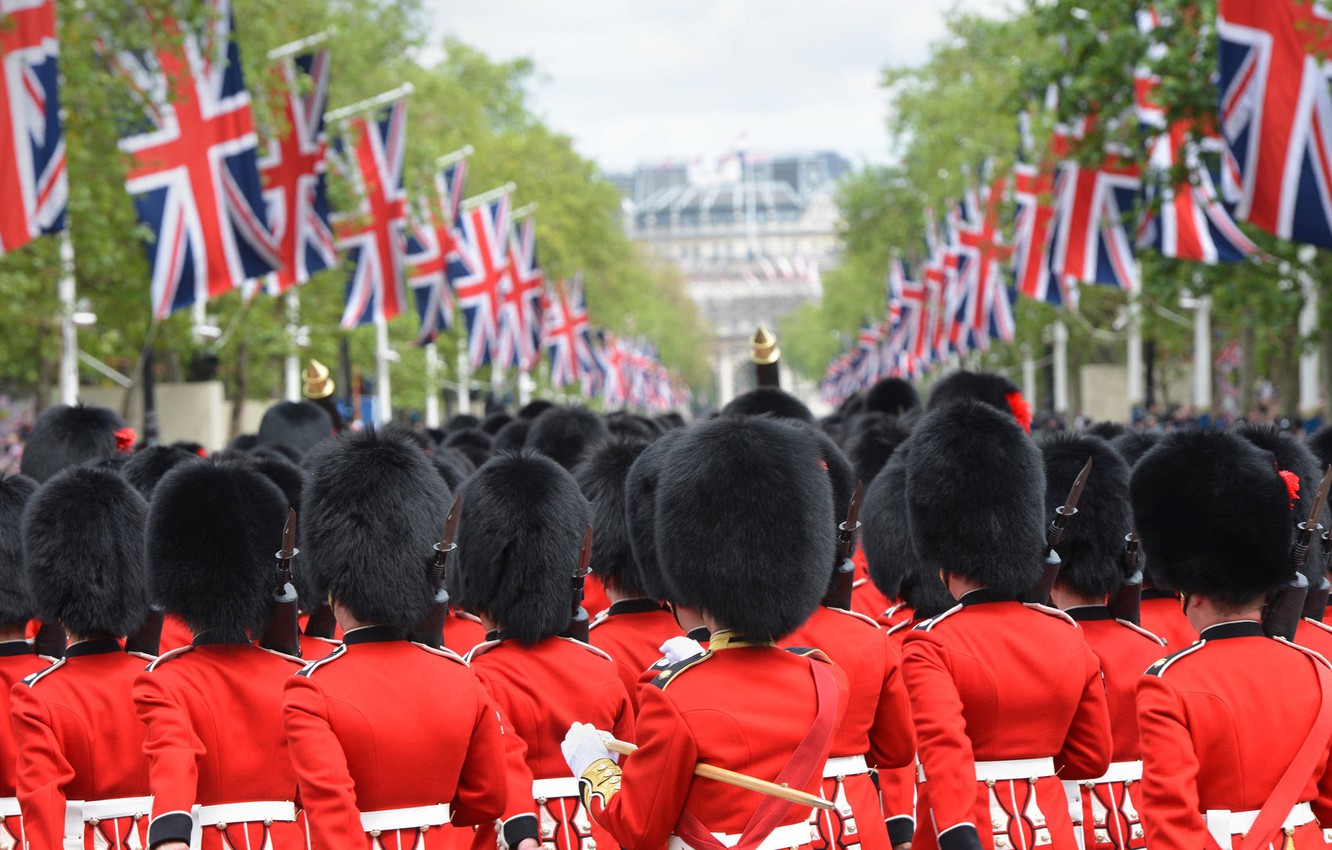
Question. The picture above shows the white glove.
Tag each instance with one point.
(677, 649)
(584, 744)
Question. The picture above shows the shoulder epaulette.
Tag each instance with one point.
(442, 652)
(1159, 668)
(284, 656)
(1051, 612)
(667, 674)
(809, 652)
(308, 670)
(1132, 626)
(1306, 650)
(167, 656)
(859, 616)
(590, 648)
(602, 616)
(926, 625)
(34, 678)
(480, 649)
(897, 627)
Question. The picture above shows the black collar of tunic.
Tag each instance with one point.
(641, 605)
(1088, 613)
(982, 595)
(1233, 629)
(10, 648)
(93, 646)
(215, 637)
(374, 634)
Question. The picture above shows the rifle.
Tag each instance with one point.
(1311, 525)
(1284, 609)
(321, 623)
(1050, 571)
(284, 627)
(50, 640)
(1127, 601)
(148, 639)
(431, 630)
(844, 573)
(578, 620)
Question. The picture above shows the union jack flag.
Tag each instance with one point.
(908, 314)
(294, 171)
(480, 271)
(376, 236)
(523, 302)
(1034, 193)
(1276, 115)
(194, 172)
(565, 335)
(988, 306)
(1183, 219)
(431, 245)
(33, 181)
(612, 363)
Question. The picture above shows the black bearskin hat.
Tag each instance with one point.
(1092, 549)
(564, 434)
(1133, 445)
(995, 390)
(288, 477)
(602, 476)
(742, 524)
(213, 529)
(451, 468)
(146, 467)
(495, 421)
(302, 425)
(374, 508)
(629, 426)
(523, 525)
(534, 408)
(1213, 516)
(512, 436)
(83, 534)
(770, 400)
(640, 495)
(15, 601)
(1294, 457)
(874, 442)
(65, 436)
(669, 420)
(1320, 443)
(1108, 430)
(472, 443)
(894, 396)
(461, 422)
(976, 496)
(841, 475)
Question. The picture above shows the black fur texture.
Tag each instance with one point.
(16, 606)
(840, 474)
(213, 530)
(473, 443)
(494, 422)
(83, 542)
(1320, 443)
(770, 400)
(1092, 549)
(523, 524)
(742, 524)
(1108, 430)
(65, 436)
(461, 422)
(534, 408)
(146, 467)
(512, 436)
(564, 434)
(302, 425)
(451, 468)
(1133, 445)
(629, 426)
(373, 509)
(1213, 516)
(1291, 455)
(961, 385)
(640, 496)
(894, 396)
(874, 442)
(602, 476)
(976, 496)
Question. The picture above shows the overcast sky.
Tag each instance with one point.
(650, 80)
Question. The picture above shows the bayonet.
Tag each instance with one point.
(1312, 524)
(431, 630)
(284, 628)
(578, 619)
(1050, 570)
(1126, 604)
(843, 581)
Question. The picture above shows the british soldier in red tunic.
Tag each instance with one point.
(743, 539)
(212, 531)
(522, 533)
(1236, 730)
(1105, 809)
(391, 740)
(82, 774)
(1006, 696)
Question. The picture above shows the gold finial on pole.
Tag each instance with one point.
(765, 350)
(318, 384)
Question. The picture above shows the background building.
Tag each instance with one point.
(750, 233)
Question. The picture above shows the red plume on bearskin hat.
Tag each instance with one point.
(1293, 457)
(373, 508)
(523, 525)
(65, 436)
(213, 528)
(1092, 549)
(995, 390)
(602, 476)
(975, 492)
(16, 605)
(1213, 515)
(83, 541)
(742, 524)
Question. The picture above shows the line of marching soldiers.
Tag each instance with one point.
(988, 669)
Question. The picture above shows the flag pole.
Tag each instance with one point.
(360, 106)
(1060, 339)
(1136, 394)
(464, 378)
(432, 385)
(450, 158)
(486, 197)
(293, 361)
(69, 332)
(301, 45)
(383, 356)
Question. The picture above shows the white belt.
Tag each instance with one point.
(791, 835)
(996, 771)
(1221, 822)
(845, 766)
(1120, 771)
(415, 817)
(262, 811)
(9, 807)
(552, 789)
(120, 807)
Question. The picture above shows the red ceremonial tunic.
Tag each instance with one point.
(462, 631)
(876, 725)
(79, 741)
(175, 634)
(594, 596)
(897, 786)
(384, 724)
(1315, 635)
(866, 598)
(1163, 616)
(18, 660)
(742, 706)
(992, 681)
(1110, 811)
(1219, 723)
(632, 631)
(542, 690)
(213, 711)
